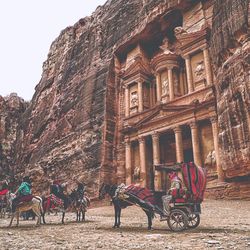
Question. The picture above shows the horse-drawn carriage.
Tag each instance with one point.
(185, 206)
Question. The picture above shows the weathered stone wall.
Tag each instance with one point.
(12, 108)
(230, 54)
(230, 47)
(69, 127)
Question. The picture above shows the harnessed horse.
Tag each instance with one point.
(119, 204)
(34, 204)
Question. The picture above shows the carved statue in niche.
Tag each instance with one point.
(136, 174)
(199, 71)
(210, 160)
(165, 87)
(165, 46)
(134, 99)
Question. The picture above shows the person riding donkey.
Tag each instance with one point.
(57, 189)
(175, 191)
(23, 193)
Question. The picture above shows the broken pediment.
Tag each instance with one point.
(137, 66)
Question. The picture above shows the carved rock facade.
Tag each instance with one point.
(137, 85)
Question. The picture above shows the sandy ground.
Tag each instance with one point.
(224, 225)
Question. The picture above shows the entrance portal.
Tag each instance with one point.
(188, 155)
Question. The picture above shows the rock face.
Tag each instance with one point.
(69, 126)
(12, 108)
(230, 48)
(70, 131)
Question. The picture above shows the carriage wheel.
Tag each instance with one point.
(193, 220)
(178, 220)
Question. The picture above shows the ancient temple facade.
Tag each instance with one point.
(167, 103)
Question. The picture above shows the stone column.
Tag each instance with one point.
(195, 143)
(179, 144)
(143, 167)
(171, 84)
(207, 64)
(128, 161)
(158, 87)
(189, 74)
(216, 148)
(127, 101)
(156, 160)
(140, 96)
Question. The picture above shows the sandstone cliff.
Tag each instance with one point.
(12, 108)
(72, 114)
(70, 132)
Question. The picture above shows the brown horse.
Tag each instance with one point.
(35, 204)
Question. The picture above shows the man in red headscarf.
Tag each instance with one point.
(176, 185)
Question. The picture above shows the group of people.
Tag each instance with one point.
(24, 192)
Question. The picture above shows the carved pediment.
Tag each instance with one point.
(187, 40)
(162, 111)
(137, 66)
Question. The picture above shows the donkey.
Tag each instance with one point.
(129, 201)
(80, 204)
(35, 204)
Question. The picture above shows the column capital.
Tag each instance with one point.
(127, 141)
(186, 57)
(213, 119)
(193, 125)
(155, 135)
(141, 139)
(177, 129)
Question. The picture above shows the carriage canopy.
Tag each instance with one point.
(194, 178)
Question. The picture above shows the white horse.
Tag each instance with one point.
(35, 204)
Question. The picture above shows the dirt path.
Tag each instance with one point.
(224, 225)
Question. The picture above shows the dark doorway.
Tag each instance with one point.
(188, 155)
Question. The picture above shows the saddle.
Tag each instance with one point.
(56, 201)
(25, 199)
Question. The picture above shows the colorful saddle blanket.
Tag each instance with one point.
(57, 202)
(144, 194)
(26, 198)
(4, 192)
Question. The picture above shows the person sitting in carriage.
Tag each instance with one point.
(23, 193)
(175, 191)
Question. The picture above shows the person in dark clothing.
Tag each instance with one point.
(81, 189)
(58, 190)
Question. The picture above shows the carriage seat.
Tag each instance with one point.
(179, 195)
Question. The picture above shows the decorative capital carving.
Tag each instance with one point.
(127, 141)
(155, 135)
(177, 129)
(213, 119)
(193, 125)
(141, 139)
